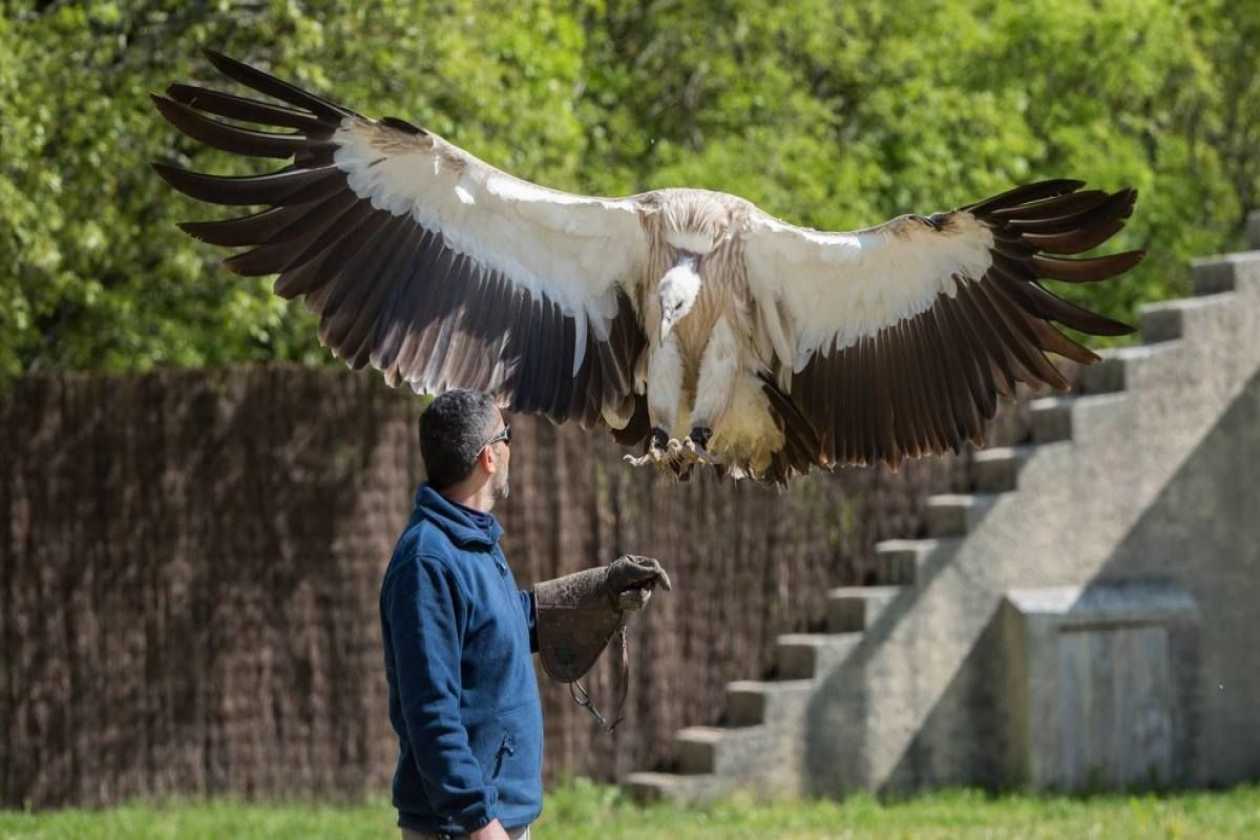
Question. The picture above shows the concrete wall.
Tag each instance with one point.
(1159, 481)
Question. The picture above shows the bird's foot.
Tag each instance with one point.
(674, 456)
(658, 451)
(696, 443)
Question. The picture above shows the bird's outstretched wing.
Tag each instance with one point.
(895, 340)
(420, 259)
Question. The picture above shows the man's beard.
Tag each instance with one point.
(499, 485)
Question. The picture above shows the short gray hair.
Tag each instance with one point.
(452, 433)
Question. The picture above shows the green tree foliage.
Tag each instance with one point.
(832, 114)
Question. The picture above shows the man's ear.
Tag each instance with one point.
(487, 460)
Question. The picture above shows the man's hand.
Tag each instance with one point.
(492, 830)
(631, 579)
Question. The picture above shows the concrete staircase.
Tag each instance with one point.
(765, 718)
(898, 693)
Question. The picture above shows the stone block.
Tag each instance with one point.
(1228, 273)
(761, 754)
(1099, 685)
(851, 609)
(1169, 320)
(754, 702)
(1051, 419)
(953, 515)
(897, 561)
(997, 469)
(1121, 368)
(1101, 418)
(677, 788)
(809, 655)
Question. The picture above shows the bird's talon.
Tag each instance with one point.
(696, 453)
(697, 443)
(662, 452)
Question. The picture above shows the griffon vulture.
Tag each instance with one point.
(689, 322)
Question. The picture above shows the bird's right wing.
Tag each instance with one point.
(420, 259)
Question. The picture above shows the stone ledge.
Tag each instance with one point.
(1124, 602)
(851, 609)
(1169, 320)
(898, 561)
(1228, 273)
(1051, 419)
(997, 469)
(810, 655)
(754, 702)
(956, 514)
(647, 787)
(1121, 367)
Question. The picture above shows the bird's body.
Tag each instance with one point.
(702, 374)
(687, 320)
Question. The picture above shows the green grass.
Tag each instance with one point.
(581, 809)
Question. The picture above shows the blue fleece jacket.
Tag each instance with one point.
(462, 693)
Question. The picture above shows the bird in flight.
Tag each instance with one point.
(693, 325)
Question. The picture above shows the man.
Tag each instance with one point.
(458, 637)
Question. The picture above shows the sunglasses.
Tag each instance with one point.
(505, 436)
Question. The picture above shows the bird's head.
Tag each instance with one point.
(678, 290)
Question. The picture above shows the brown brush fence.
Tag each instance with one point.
(190, 564)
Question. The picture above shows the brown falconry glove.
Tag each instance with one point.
(577, 615)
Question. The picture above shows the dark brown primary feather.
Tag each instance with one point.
(388, 291)
(929, 383)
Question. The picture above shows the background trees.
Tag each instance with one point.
(831, 114)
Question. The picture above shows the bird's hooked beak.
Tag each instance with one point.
(667, 324)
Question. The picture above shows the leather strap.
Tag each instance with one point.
(583, 698)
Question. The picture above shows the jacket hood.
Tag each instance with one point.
(466, 527)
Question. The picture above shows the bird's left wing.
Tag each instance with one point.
(420, 259)
(893, 341)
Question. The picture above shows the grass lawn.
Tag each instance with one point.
(582, 809)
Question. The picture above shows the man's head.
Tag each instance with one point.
(462, 444)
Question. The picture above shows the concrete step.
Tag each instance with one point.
(1172, 319)
(953, 515)
(754, 702)
(1122, 367)
(897, 561)
(1227, 273)
(802, 656)
(1051, 419)
(1078, 418)
(740, 753)
(997, 469)
(851, 609)
(696, 748)
(677, 788)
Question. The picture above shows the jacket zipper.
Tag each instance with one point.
(506, 747)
